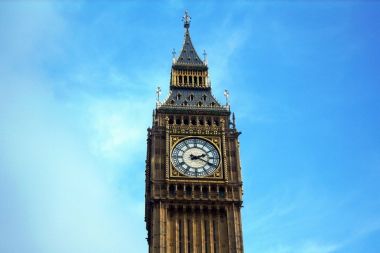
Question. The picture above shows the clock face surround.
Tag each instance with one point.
(195, 157)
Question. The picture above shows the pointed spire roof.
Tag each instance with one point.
(190, 88)
(188, 56)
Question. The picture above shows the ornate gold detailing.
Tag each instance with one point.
(194, 131)
(217, 175)
(167, 159)
(222, 123)
(189, 78)
(192, 214)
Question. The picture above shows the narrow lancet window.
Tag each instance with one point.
(189, 234)
(206, 233)
(180, 234)
(215, 233)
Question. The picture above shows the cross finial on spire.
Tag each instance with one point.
(186, 20)
(204, 56)
(158, 93)
(174, 53)
(227, 95)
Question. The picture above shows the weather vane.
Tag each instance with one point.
(186, 20)
(227, 95)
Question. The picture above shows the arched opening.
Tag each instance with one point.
(205, 192)
(188, 190)
(172, 190)
(171, 120)
(222, 192)
(193, 121)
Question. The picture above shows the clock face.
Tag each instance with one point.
(195, 157)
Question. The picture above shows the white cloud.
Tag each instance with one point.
(67, 200)
(55, 195)
(226, 43)
(315, 247)
(117, 125)
(306, 247)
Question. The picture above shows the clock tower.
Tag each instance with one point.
(193, 174)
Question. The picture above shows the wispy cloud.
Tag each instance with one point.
(64, 193)
(307, 247)
(58, 172)
(77, 89)
(117, 127)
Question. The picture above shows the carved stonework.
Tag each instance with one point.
(193, 173)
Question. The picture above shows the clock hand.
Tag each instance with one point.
(207, 162)
(193, 157)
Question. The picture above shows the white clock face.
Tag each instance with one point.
(195, 157)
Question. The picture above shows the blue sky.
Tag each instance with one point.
(77, 82)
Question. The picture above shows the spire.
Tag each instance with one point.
(188, 70)
(190, 87)
(188, 55)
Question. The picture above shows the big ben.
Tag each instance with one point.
(193, 173)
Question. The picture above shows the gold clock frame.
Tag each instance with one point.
(217, 175)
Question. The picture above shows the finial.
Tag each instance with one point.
(158, 92)
(204, 57)
(227, 95)
(173, 53)
(186, 20)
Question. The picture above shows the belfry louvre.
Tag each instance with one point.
(193, 174)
